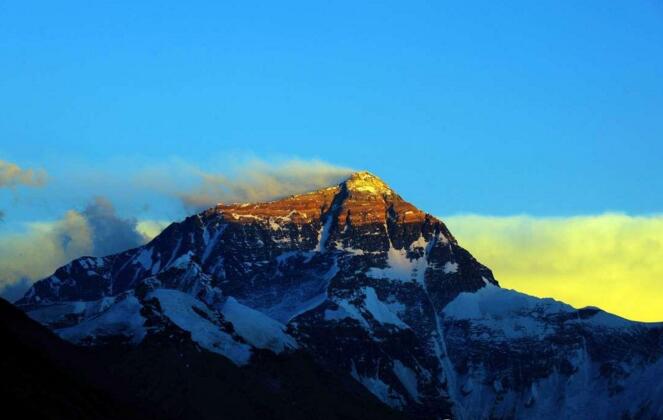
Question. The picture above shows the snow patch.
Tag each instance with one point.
(144, 258)
(507, 313)
(179, 307)
(182, 261)
(450, 267)
(408, 378)
(606, 320)
(58, 312)
(381, 390)
(379, 310)
(211, 243)
(345, 310)
(257, 328)
(323, 235)
(400, 267)
(495, 302)
(288, 303)
(121, 318)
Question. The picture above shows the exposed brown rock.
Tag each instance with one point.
(363, 198)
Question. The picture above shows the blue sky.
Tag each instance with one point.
(543, 119)
(545, 108)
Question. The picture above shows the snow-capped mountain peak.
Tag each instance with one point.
(369, 285)
(366, 182)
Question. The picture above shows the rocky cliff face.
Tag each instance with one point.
(370, 286)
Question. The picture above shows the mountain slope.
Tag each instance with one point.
(165, 376)
(371, 287)
(44, 376)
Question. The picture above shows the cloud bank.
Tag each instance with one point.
(97, 230)
(109, 233)
(12, 175)
(613, 261)
(44, 247)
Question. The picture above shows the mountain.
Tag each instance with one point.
(372, 289)
(44, 376)
(164, 377)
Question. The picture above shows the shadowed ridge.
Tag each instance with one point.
(44, 376)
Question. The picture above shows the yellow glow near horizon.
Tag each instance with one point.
(151, 228)
(612, 261)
